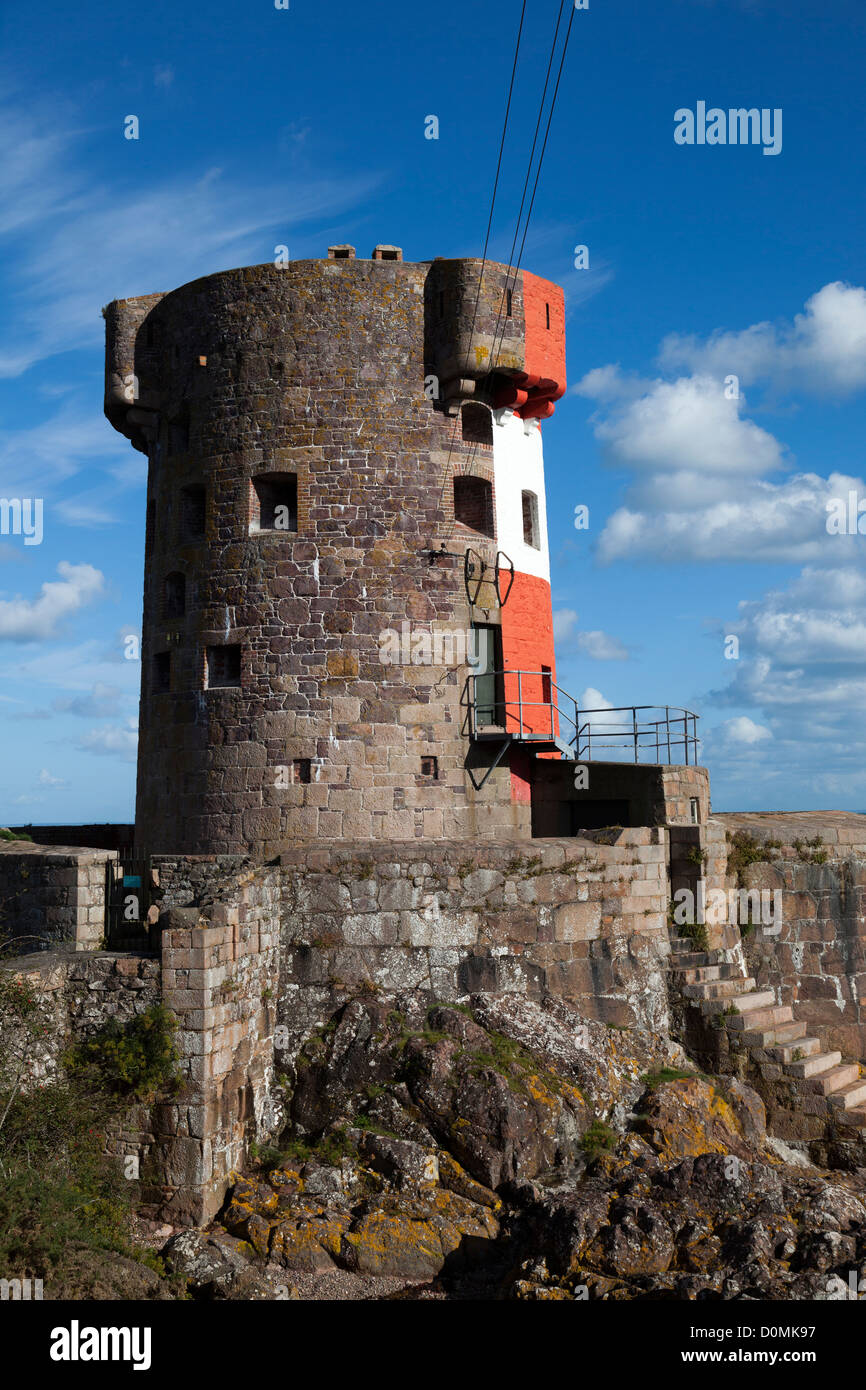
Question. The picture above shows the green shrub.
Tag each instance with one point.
(598, 1139)
(138, 1058)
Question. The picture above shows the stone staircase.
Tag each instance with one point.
(713, 983)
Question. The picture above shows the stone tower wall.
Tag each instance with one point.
(315, 370)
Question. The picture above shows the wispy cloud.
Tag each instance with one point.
(54, 217)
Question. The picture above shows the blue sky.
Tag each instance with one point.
(306, 127)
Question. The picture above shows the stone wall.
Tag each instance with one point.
(616, 793)
(817, 961)
(581, 919)
(53, 894)
(220, 972)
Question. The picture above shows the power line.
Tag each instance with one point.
(489, 225)
(470, 462)
(496, 349)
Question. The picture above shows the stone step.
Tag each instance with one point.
(827, 1083)
(849, 1097)
(811, 1066)
(807, 1047)
(755, 999)
(692, 974)
(782, 1033)
(720, 989)
(855, 1117)
(686, 958)
(758, 1018)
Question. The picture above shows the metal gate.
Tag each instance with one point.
(128, 895)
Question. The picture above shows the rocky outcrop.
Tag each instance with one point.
(509, 1149)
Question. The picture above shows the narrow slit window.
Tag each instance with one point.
(178, 436)
(694, 811)
(174, 597)
(508, 303)
(531, 534)
(223, 666)
(192, 512)
(162, 673)
(547, 313)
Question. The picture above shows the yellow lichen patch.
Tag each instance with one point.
(689, 1117)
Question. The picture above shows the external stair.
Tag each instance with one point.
(710, 981)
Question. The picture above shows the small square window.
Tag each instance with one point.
(473, 503)
(302, 770)
(223, 666)
(429, 767)
(275, 502)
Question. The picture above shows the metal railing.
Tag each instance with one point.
(672, 737)
(502, 702)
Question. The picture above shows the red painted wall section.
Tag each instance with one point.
(545, 346)
(527, 645)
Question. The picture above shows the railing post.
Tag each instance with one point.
(668, 725)
(519, 705)
(634, 729)
(686, 734)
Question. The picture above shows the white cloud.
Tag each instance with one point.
(101, 702)
(742, 730)
(30, 620)
(823, 350)
(45, 779)
(597, 645)
(116, 740)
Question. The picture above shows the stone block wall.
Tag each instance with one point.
(53, 894)
(220, 970)
(582, 919)
(817, 960)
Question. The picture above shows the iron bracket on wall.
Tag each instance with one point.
(493, 766)
(475, 571)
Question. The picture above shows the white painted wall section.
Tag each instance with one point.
(518, 466)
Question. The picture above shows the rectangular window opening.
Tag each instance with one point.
(192, 502)
(162, 673)
(429, 767)
(275, 502)
(223, 667)
(694, 811)
(508, 304)
(473, 503)
(531, 533)
(302, 770)
(547, 312)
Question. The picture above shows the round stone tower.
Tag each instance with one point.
(346, 542)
